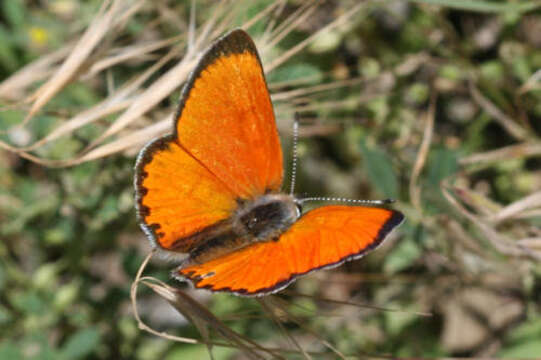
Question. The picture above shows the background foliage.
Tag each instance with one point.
(435, 103)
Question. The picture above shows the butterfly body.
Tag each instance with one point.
(262, 219)
(211, 189)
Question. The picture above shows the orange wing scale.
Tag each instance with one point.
(323, 238)
(173, 207)
(224, 147)
(227, 121)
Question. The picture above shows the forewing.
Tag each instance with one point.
(224, 148)
(226, 121)
(322, 238)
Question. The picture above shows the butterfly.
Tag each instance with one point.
(211, 189)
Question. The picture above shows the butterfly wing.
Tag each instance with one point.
(226, 119)
(176, 196)
(322, 238)
(224, 148)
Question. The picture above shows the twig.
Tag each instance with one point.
(414, 189)
(526, 203)
(140, 323)
(508, 152)
(501, 118)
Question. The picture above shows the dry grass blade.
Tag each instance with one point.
(483, 6)
(193, 311)
(355, 304)
(514, 209)
(271, 24)
(189, 308)
(529, 214)
(454, 227)
(315, 89)
(309, 131)
(136, 138)
(128, 53)
(302, 106)
(412, 62)
(275, 86)
(504, 153)
(33, 158)
(273, 304)
(499, 116)
(166, 84)
(477, 201)
(532, 83)
(163, 86)
(422, 155)
(531, 242)
(260, 15)
(119, 100)
(131, 140)
(7, 147)
(212, 28)
(296, 18)
(340, 21)
(155, 93)
(133, 296)
(108, 107)
(203, 320)
(265, 305)
(500, 242)
(186, 309)
(80, 53)
(14, 87)
(128, 98)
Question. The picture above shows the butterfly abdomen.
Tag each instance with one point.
(259, 220)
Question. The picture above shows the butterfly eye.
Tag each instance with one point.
(252, 223)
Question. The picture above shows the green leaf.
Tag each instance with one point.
(529, 329)
(485, 6)
(396, 322)
(8, 58)
(402, 256)
(380, 171)
(3, 276)
(442, 163)
(5, 316)
(40, 347)
(524, 341)
(407, 251)
(528, 349)
(10, 351)
(295, 72)
(8, 117)
(189, 352)
(13, 12)
(81, 344)
(29, 303)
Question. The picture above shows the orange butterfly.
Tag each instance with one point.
(212, 188)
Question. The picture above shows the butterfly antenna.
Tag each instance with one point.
(351, 201)
(294, 161)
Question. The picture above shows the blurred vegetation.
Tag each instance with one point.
(435, 103)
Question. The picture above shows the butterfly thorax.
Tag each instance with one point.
(267, 217)
(262, 219)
